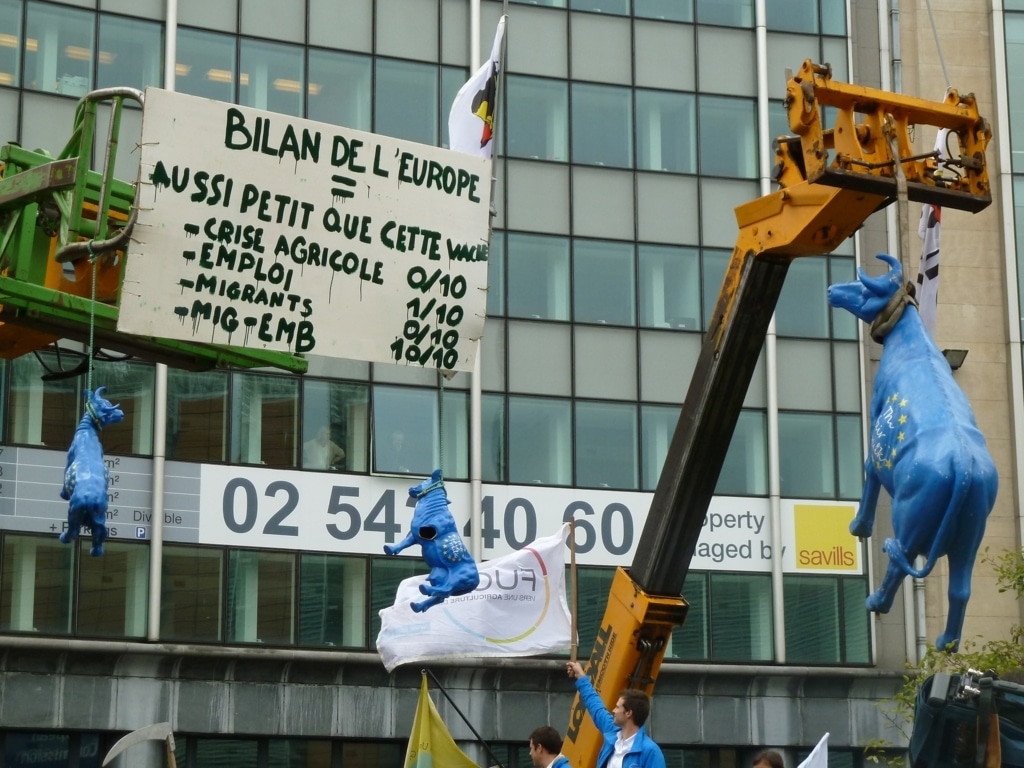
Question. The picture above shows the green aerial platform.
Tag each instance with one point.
(64, 230)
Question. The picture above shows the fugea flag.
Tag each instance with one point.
(430, 743)
(471, 121)
(819, 755)
(519, 609)
(928, 272)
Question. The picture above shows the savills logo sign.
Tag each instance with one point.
(822, 538)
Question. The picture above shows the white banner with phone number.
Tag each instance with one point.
(357, 514)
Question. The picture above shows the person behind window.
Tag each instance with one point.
(545, 748)
(768, 759)
(321, 452)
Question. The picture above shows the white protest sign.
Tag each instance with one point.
(265, 231)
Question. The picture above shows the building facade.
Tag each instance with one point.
(240, 604)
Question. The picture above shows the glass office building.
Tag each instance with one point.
(628, 131)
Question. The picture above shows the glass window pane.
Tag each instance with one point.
(620, 7)
(730, 13)
(1014, 25)
(272, 77)
(805, 375)
(261, 597)
(197, 412)
(190, 594)
(58, 49)
(43, 413)
(332, 601)
(715, 264)
(205, 64)
(669, 287)
(406, 101)
(593, 585)
(805, 455)
(238, 753)
(690, 641)
(666, 127)
(745, 470)
(602, 125)
(727, 62)
(657, 425)
(300, 753)
(593, 349)
(812, 619)
(539, 441)
(741, 617)
(496, 275)
(537, 118)
(728, 137)
(603, 282)
(849, 447)
(10, 43)
(385, 576)
(35, 585)
(548, 3)
(405, 430)
(803, 304)
(263, 18)
(131, 53)
(833, 17)
(356, 34)
(129, 385)
(113, 591)
(540, 358)
(335, 426)
(492, 416)
(538, 277)
(844, 324)
(606, 446)
(339, 89)
(264, 420)
(671, 10)
(856, 620)
(792, 15)
(452, 79)
(846, 375)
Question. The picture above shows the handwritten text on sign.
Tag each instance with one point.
(265, 231)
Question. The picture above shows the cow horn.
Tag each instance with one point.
(882, 284)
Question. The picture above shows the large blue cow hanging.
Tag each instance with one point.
(452, 569)
(85, 477)
(925, 449)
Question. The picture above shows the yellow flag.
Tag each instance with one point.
(430, 744)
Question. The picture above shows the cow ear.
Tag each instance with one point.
(435, 476)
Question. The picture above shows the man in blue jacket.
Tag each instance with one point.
(626, 743)
(546, 748)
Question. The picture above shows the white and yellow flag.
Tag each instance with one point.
(430, 743)
(471, 121)
(819, 755)
(519, 609)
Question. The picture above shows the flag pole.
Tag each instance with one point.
(574, 641)
(458, 711)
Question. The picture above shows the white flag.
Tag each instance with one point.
(519, 609)
(819, 755)
(928, 272)
(471, 121)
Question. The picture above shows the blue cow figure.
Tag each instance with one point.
(926, 449)
(452, 569)
(85, 477)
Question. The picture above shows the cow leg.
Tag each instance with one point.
(961, 564)
(880, 601)
(74, 526)
(99, 532)
(430, 602)
(864, 522)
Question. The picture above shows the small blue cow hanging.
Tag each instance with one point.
(453, 571)
(85, 477)
(925, 449)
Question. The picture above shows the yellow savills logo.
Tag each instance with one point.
(823, 540)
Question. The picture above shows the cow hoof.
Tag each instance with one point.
(875, 602)
(64, 538)
(388, 550)
(860, 529)
(947, 643)
(96, 551)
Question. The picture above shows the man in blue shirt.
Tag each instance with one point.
(626, 743)
(546, 748)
